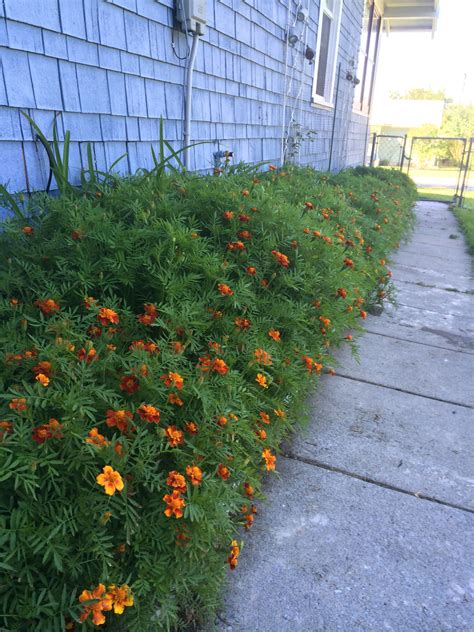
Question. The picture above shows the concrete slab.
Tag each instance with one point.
(332, 553)
(437, 373)
(434, 299)
(402, 440)
(435, 278)
(432, 262)
(433, 330)
(443, 252)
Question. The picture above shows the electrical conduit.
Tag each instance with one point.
(188, 100)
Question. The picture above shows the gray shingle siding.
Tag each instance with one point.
(107, 71)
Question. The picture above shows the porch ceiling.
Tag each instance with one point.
(410, 15)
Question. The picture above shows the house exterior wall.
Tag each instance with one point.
(106, 71)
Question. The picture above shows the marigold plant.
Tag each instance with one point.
(150, 372)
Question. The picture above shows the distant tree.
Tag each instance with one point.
(458, 121)
(420, 94)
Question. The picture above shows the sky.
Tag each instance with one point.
(419, 60)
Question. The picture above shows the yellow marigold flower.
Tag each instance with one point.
(42, 379)
(110, 479)
(120, 596)
(279, 412)
(261, 380)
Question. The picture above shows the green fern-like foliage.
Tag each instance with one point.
(302, 255)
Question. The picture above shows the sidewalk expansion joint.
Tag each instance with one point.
(434, 311)
(430, 286)
(417, 342)
(367, 479)
(401, 390)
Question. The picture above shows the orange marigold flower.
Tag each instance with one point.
(174, 504)
(6, 427)
(14, 302)
(348, 262)
(228, 215)
(363, 314)
(341, 292)
(51, 430)
(173, 379)
(326, 322)
(42, 379)
(94, 331)
(89, 302)
(234, 555)
(191, 427)
(244, 234)
(223, 472)
(309, 205)
(194, 474)
(264, 282)
(102, 603)
(219, 366)
(261, 380)
(87, 356)
(107, 316)
(177, 347)
(150, 315)
(235, 245)
(119, 418)
(222, 420)
(269, 458)
(176, 481)
(110, 480)
(263, 357)
(275, 335)
(311, 365)
(245, 193)
(248, 521)
(47, 306)
(44, 367)
(281, 258)
(120, 596)
(279, 412)
(224, 289)
(272, 168)
(205, 364)
(261, 434)
(249, 490)
(349, 337)
(27, 230)
(149, 413)
(175, 437)
(215, 346)
(242, 323)
(19, 404)
(97, 439)
(118, 449)
(174, 399)
(129, 384)
(265, 417)
(111, 348)
(251, 270)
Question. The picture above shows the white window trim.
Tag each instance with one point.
(318, 99)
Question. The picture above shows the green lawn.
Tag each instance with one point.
(466, 220)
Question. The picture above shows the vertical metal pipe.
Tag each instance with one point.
(188, 100)
(372, 153)
(466, 171)
(405, 138)
(334, 117)
(461, 167)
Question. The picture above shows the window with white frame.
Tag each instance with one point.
(326, 51)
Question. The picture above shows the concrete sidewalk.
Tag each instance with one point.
(370, 523)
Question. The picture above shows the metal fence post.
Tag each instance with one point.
(372, 153)
(405, 138)
(466, 171)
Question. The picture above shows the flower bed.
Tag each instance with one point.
(160, 336)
